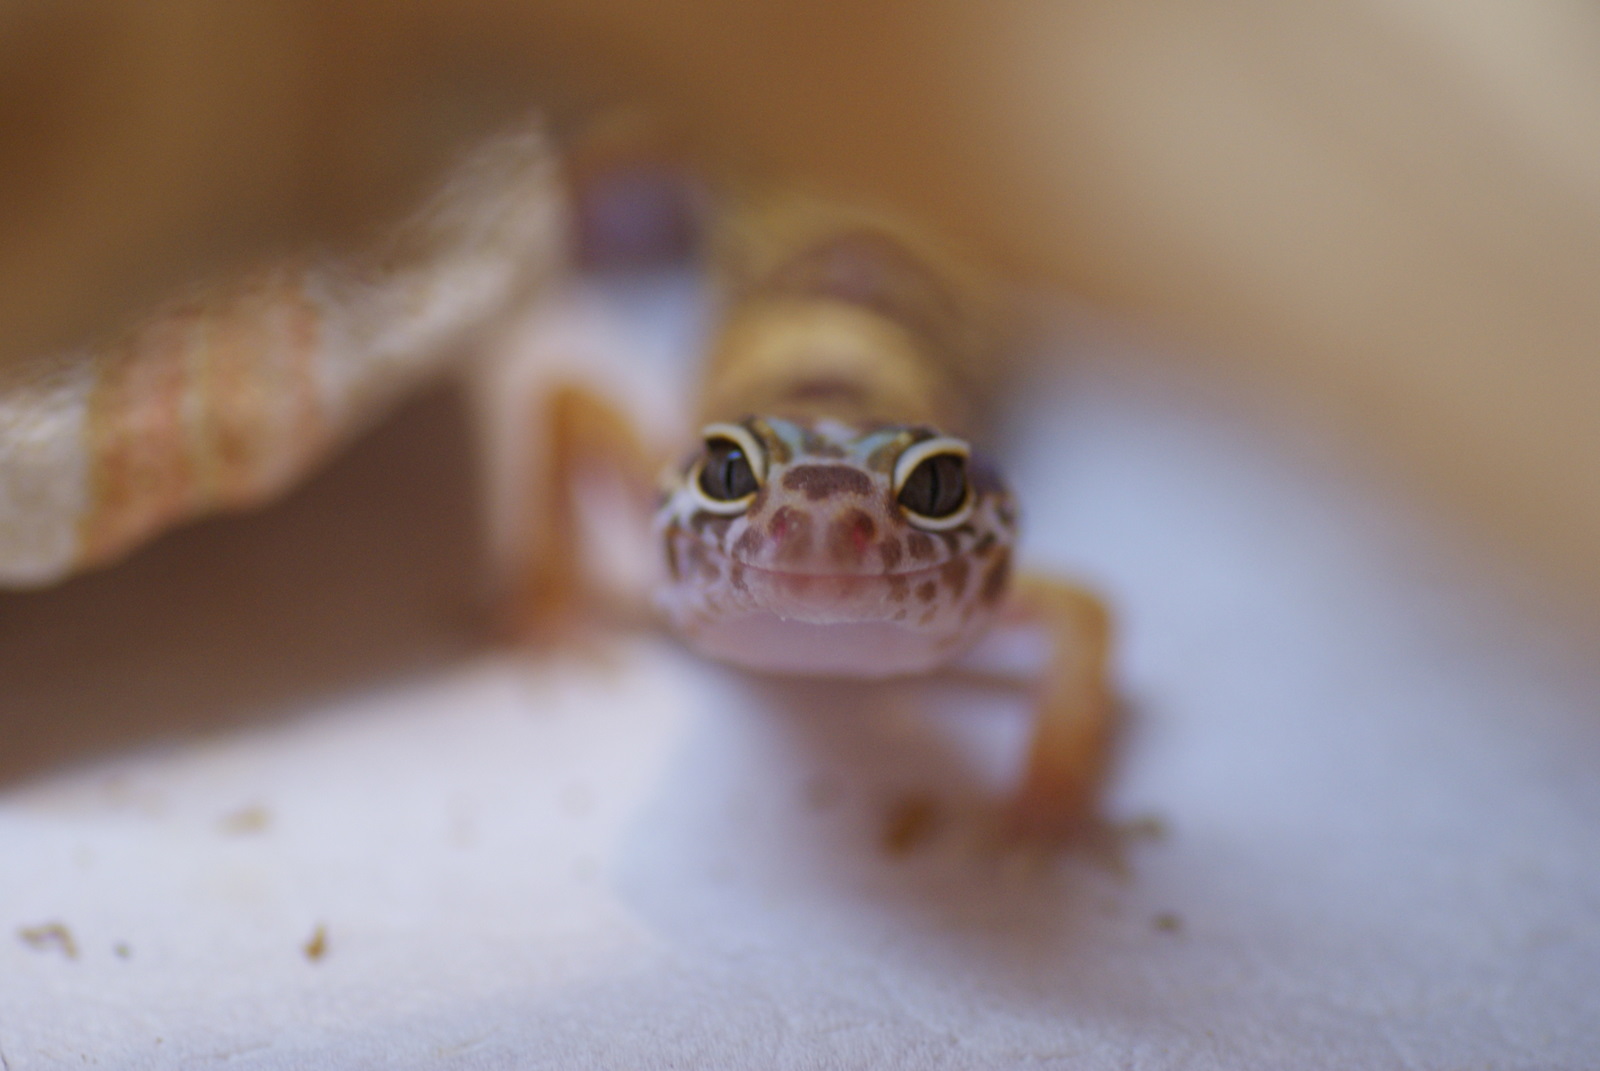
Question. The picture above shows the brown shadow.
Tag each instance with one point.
(366, 572)
(837, 809)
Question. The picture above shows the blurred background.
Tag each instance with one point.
(1368, 776)
(1391, 207)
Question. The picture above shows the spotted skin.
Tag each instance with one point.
(824, 557)
(853, 341)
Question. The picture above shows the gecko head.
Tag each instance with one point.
(833, 548)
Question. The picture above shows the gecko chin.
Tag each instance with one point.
(854, 625)
(768, 643)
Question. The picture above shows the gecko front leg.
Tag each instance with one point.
(577, 438)
(1067, 757)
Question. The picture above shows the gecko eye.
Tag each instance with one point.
(730, 470)
(937, 487)
(725, 474)
(930, 481)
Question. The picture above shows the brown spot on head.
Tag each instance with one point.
(926, 591)
(920, 545)
(890, 550)
(817, 482)
(849, 536)
(748, 543)
(985, 544)
(954, 573)
(705, 522)
(671, 545)
(995, 578)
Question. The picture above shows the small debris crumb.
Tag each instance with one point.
(317, 947)
(911, 822)
(1168, 922)
(50, 935)
(247, 820)
(122, 950)
(1151, 827)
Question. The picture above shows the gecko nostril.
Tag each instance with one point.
(790, 529)
(850, 535)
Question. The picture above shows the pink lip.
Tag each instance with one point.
(801, 580)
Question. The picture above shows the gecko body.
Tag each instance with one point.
(835, 518)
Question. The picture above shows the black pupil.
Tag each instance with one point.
(726, 475)
(937, 486)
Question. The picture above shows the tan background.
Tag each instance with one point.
(1392, 208)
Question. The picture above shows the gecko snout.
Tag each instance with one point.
(818, 519)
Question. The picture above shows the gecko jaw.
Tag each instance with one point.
(844, 598)
(861, 624)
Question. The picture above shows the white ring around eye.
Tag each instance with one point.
(916, 454)
(753, 451)
(754, 454)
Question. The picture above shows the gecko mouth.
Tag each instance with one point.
(801, 576)
(852, 624)
(909, 598)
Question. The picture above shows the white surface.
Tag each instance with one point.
(1378, 774)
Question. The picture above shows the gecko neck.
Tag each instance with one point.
(804, 357)
(841, 316)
